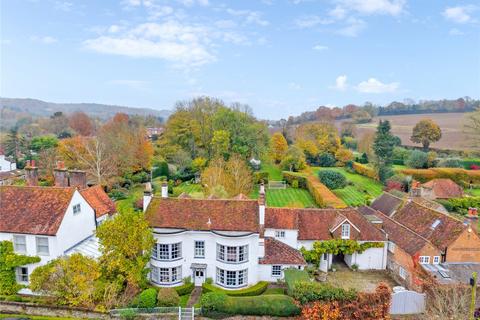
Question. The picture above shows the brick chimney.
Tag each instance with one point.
(164, 189)
(78, 178)
(61, 175)
(147, 195)
(31, 173)
(261, 208)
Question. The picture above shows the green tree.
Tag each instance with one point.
(383, 146)
(9, 261)
(417, 160)
(71, 279)
(126, 242)
(278, 147)
(40, 143)
(14, 144)
(221, 143)
(294, 160)
(332, 179)
(425, 132)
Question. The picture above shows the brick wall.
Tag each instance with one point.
(465, 249)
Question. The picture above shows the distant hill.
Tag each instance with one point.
(41, 108)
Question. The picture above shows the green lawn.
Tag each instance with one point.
(473, 192)
(195, 190)
(184, 300)
(355, 194)
(133, 194)
(289, 197)
(274, 172)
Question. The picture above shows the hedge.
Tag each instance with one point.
(266, 305)
(293, 176)
(456, 174)
(307, 291)
(260, 176)
(255, 290)
(146, 299)
(184, 289)
(364, 170)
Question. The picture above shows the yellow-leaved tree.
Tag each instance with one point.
(278, 147)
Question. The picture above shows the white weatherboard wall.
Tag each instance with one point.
(373, 258)
(72, 230)
(6, 165)
(188, 238)
(265, 272)
(289, 239)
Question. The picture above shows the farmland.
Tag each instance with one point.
(452, 124)
(358, 190)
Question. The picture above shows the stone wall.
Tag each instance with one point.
(52, 311)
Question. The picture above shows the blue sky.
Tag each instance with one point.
(281, 57)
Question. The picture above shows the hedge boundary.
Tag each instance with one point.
(456, 174)
(184, 289)
(254, 290)
(364, 170)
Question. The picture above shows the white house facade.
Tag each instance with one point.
(6, 165)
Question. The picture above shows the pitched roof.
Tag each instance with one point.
(387, 203)
(277, 252)
(33, 210)
(281, 218)
(444, 188)
(439, 228)
(203, 214)
(99, 201)
(429, 204)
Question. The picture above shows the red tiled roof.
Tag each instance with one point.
(444, 188)
(33, 210)
(387, 203)
(421, 220)
(202, 214)
(277, 252)
(281, 218)
(99, 200)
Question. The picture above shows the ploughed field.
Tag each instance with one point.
(452, 124)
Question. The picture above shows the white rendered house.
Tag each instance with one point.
(6, 165)
(238, 242)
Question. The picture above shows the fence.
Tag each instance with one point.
(277, 185)
(407, 302)
(182, 313)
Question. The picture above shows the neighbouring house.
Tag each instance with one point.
(238, 242)
(452, 273)
(9, 177)
(154, 132)
(6, 165)
(437, 189)
(419, 235)
(50, 221)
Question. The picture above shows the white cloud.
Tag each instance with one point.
(353, 28)
(225, 24)
(132, 84)
(338, 13)
(455, 32)
(319, 47)
(340, 83)
(63, 5)
(251, 17)
(294, 86)
(373, 85)
(460, 14)
(44, 40)
(370, 7)
(311, 21)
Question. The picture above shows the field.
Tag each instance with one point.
(452, 125)
(361, 187)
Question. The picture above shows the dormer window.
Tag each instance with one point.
(280, 234)
(77, 208)
(345, 231)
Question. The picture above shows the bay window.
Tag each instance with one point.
(232, 279)
(166, 275)
(232, 254)
(166, 252)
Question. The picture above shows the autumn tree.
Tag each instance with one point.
(126, 242)
(278, 147)
(321, 137)
(383, 146)
(81, 123)
(365, 143)
(58, 124)
(425, 132)
(294, 159)
(71, 280)
(221, 143)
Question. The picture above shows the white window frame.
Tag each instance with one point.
(276, 271)
(424, 260)
(279, 233)
(231, 278)
(16, 244)
(346, 231)
(199, 248)
(230, 254)
(77, 208)
(20, 275)
(38, 245)
(167, 251)
(402, 273)
(436, 259)
(166, 275)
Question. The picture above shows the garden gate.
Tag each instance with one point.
(407, 302)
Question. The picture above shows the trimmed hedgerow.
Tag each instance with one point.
(307, 291)
(456, 174)
(184, 289)
(290, 177)
(364, 170)
(168, 297)
(255, 290)
(266, 305)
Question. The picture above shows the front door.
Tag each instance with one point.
(199, 276)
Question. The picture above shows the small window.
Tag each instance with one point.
(77, 208)
(22, 274)
(345, 231)
(276, 271)
(42, 246)
(199, 249)
(402, 272)
(391, 246)
(279, 234)
(20, 243)
(424, 260)
(436, 259)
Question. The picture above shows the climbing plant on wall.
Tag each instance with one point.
(9, 260)
(336, 246)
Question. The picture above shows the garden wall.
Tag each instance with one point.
(51, 311)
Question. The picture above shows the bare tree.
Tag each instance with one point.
(448, 302)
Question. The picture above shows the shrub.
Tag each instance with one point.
(260, 176)
(168, 297)
(290, 177)
(306, 291)
(326, 160)
(350, 143)
(160, 169)
(332, 179)
(295, 184)
(255, 290)
(213, 301)
(365, 170)
(400, 155)
(185, 288)
(417, 160)
(343, 156)
(146, 299)
(450, 163)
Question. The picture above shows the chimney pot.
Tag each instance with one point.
(31, 174)
(164, 189)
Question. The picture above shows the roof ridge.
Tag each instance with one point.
(391, 194)
(437, 212)
(203, 199)
(39, 187)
